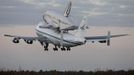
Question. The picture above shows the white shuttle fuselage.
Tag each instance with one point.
(56, 19)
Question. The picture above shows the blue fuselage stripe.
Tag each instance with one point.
(74, 43)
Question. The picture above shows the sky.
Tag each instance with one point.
(105, 12)
(19, 17)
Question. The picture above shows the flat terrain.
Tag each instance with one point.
(54, 72)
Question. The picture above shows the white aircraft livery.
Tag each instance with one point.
(57, 29)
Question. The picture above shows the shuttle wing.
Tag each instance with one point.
(70, 28)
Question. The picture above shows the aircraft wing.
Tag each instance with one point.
(103, 37)
(22, 37)
(28, 40)
(70, 28)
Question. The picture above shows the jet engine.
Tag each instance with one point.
(15, 40)
(29, 41)
(103, 41)
(107, 39)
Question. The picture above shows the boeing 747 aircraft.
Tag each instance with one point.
(55, 29)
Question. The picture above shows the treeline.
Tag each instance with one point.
(54, 72)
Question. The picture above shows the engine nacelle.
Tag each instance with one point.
(29, 41)
(103, 41)
(107, 39)
(15, 40)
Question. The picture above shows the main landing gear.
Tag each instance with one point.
(46, 47)
(65, 49)
(68, 48)
(55, 48)
(62, 48)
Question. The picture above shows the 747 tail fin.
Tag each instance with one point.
(83, 26)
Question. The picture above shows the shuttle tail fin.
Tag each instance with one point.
(68, 9)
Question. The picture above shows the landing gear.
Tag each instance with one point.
(15, 40)
(68, 48)
(55, 48)
(63, 49)
(46, 47)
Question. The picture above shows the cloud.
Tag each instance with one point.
(98, 2)
(94, 12)
(30, 11)
(42, 3)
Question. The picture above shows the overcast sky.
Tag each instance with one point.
(19, 17)
(99, 12)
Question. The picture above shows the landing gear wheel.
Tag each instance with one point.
(68, 49)
(55, 49)
(63, 49)
(46, 49)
